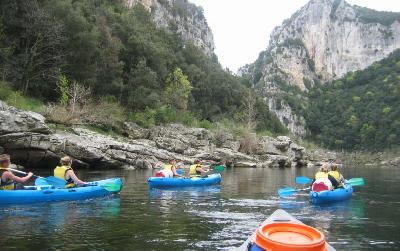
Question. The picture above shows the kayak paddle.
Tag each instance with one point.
(214, 169)
(51, 180)
(303, 180)
(355, 182)
(218, 169)
(288, 191)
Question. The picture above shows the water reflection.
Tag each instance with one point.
(205, 218)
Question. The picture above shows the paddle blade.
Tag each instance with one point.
(218, 169)
(286, 191)
(112, 187)
(41, 182)
(356, 182)
(59, 183)
(303, 180)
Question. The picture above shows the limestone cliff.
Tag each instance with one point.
(322, 41)
(181, 17)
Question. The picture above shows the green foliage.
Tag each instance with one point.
(63, 86)
(17, 99)
(177, 90)
(359, 111)
(46, 45)
(373, 16)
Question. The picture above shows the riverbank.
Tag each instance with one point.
(390, 157)
(33, 143)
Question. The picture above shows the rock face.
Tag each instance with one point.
(321, 42)
(180, 17)
(30, 142)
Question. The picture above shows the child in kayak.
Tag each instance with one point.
(169, 170)
(197, 169)
(321, 181)
(335, 176)
(7, 178)
(66, 173)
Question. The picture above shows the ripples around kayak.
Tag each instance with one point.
(211, 218)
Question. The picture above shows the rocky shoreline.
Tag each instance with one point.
(32, 143)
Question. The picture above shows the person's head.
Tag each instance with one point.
(324, 169)
(66, 161)
(172, 161)
(197, 162)
(4, 160)
(334, 167)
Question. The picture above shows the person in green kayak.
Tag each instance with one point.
(335, 176)
(7, 178)
(197, 169)
(66, 173)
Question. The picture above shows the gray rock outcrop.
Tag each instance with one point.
(32, 143)
(180, 17)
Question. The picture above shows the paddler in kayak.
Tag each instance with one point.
(197, 169)
(7, 178)
(66, 173)
(335, 176)
(321, 181)
(169, 170)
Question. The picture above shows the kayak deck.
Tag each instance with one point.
(211, 179)
(278, 216)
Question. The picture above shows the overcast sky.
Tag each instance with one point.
(241, 28)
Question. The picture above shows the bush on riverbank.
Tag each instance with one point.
(18, 100)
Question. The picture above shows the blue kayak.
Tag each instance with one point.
(47, 193)
(211, 179)
(339, 194)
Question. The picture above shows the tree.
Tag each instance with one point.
(178, 89)
(38, 39)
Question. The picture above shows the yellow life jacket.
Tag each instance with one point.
(193, 171)
(168, 167)
(6, 185)
(335, 175)
(60, 171)
(320, 174)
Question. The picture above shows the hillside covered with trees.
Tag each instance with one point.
(99, 62)
(359, 111)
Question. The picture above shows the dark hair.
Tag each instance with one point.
(4, 158)
(197, 161)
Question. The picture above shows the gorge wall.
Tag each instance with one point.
(180, 17)
(321, 42)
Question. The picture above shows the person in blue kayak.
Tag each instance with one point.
(197, 169)
(7, 178)
(335, 176)
(66, 173)
(169, 170)
(321, 181)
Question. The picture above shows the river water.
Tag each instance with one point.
(213, 218)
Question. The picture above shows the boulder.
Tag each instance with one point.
(282, 143)
(133, 131)
(14, 120)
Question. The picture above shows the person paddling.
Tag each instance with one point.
(66, 173)
(335, 176)
(197, 169)
(7, 178)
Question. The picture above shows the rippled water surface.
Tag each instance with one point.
(212, 218)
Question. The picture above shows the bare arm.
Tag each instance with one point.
(11, 176)
(71, 174)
